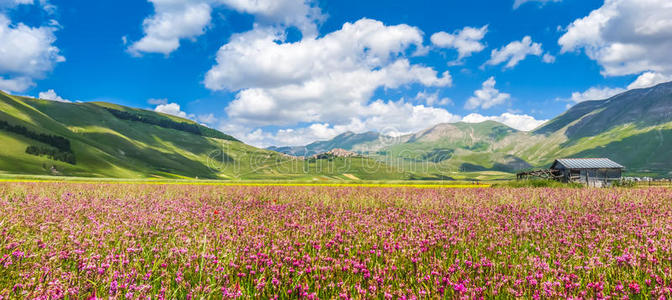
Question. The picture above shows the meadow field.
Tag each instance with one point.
(116, 240)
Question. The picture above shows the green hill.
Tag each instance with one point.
(99, 139)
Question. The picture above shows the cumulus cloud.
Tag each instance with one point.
(255, 59)
(625, 37)
(15, 84)
(596, 93)
(173, 21)
(328, 79)
(432, 99)
(466, 41)
(51, 95)
(176, 20)
(487, 97)
(27, 52)
(171, 109)
(401, 117)
(391, 117)
(518, 3)
(303, 14)
(521, 122)
(515, 52)
(649, 79)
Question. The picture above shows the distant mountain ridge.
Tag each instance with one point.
(633, 128)
(348, 141)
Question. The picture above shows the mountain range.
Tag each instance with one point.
(98, 139)
(633, 128)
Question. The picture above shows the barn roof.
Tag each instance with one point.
(587, 163)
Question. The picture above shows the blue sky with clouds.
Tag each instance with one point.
(288, 72)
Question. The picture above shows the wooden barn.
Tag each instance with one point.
(590, 171)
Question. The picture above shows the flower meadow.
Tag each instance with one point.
(80, 241)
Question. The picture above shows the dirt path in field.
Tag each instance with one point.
(353, 177)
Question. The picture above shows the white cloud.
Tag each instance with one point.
(175, 20)
(51, 95)
(254, 59)
(466, 41)
(328, 79)
(292, 136)
(391, 117)
(207, 119)
(518, 3)
(27, 53)
(625, 36)
(402, 117)
(171, 109)
(15, 84)
(548, 58)
(304, 14)
(516, 121)
(596, 93)
(407, 118)
(515, 52)
(432, 99)
(487, 97)
(325, 84)
(649, 79)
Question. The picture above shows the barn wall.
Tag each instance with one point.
(591, 176)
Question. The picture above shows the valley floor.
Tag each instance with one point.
(298, 183)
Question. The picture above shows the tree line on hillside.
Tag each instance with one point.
(52, 153)
(61, 146)
(55, 141)
(170, 124)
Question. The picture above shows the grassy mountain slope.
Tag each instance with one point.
(640, 107)
(107, 146)
(633, 128)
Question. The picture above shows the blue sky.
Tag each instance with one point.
(288, 72)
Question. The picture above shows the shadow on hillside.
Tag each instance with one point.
(650, 151)
(514, 164)
(148, 158)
